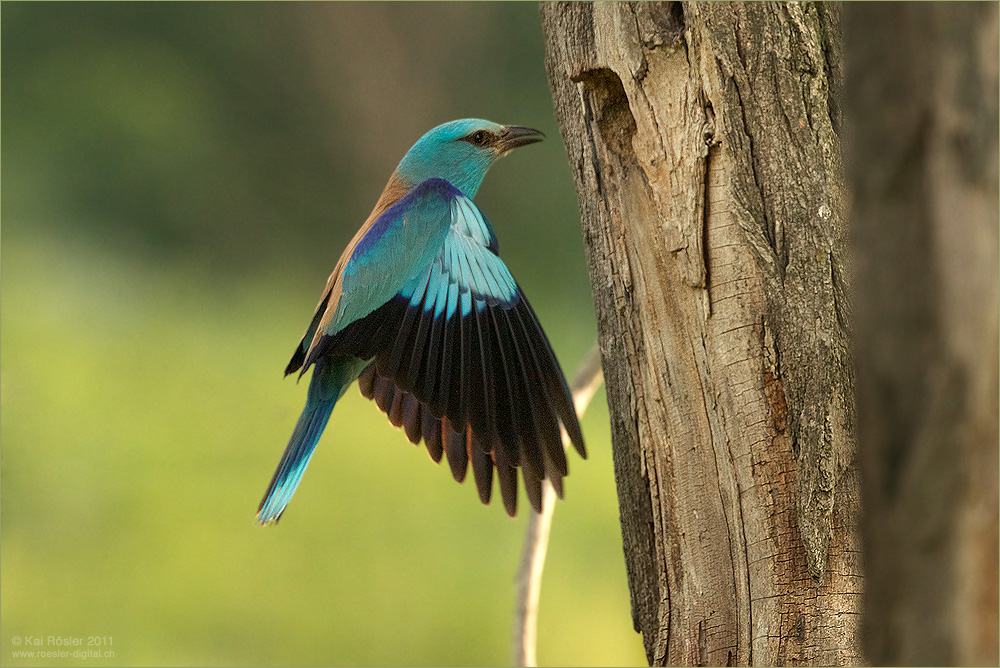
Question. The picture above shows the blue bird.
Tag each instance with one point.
(421, 310)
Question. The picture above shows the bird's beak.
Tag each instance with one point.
(514, 136)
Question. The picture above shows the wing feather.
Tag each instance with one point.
(482, 467)
(456, 450)
(432, 434)
(411, 417)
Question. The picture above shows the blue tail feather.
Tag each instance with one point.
(329, 381)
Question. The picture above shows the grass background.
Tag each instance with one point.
(178, 180)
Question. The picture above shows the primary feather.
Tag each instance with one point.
(423, 312)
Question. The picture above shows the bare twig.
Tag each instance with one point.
(529, 575)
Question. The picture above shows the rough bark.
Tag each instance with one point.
(925, 234)
(704, 143)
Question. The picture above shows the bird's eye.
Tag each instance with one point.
(478, 137)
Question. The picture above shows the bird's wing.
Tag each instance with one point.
(460, 360)
(400, 237)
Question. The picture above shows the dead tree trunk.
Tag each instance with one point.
(704, 143)
(923, 86)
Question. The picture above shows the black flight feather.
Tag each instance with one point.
(482, 388)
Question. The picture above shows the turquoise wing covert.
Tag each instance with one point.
(400, 244)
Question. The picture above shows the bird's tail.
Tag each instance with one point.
(329, 381)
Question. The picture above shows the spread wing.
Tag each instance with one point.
(457, 355)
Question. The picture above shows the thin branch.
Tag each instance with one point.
(529, 575)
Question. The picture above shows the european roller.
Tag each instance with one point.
(424, 314)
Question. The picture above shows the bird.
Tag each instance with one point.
(424, 314)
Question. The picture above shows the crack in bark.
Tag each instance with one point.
(588, 115)
(706, 180)
(770, 226)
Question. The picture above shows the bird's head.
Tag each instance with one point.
(462, 152)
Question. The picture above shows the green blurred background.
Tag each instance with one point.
(178, 181)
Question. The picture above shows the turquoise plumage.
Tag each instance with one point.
(421, 310)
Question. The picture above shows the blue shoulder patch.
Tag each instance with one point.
(429, 189)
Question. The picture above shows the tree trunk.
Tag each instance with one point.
(925, 233)
(704, 143)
